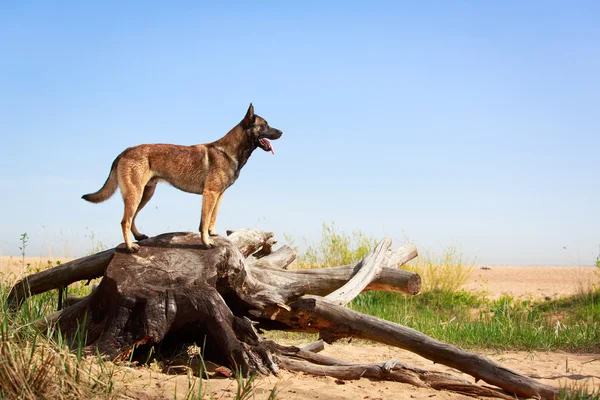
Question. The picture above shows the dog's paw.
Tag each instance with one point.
(211, 233)
(140, 237)
(208, 244)
(134, 248)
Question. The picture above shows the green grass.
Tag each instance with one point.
(465, 319)
(471, 321)
(579, 393)
(40, 365)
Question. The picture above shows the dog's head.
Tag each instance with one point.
(259, 131)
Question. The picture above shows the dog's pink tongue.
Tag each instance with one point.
(265, 141)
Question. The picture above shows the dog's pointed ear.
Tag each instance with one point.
(249, 118)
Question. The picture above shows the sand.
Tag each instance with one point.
(532, 282)
(538, 283)
(557, 369)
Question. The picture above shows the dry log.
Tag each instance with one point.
(323, 281)
(368, 269)
(393, 370)
(314, 347)
(93, 266)
(249, 241)
(175, 291)
(316, 314)
(280, 258)
(267, 270)
(85, 268)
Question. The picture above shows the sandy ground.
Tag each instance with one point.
(538, 283)
(532, 282)
(557, 369)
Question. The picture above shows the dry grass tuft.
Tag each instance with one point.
(37, 369)
(444, 272)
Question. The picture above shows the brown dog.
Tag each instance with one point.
(206, 169)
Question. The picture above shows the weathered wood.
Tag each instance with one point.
(395, 258)
(322, 281)
(393, 371)
(368, 269)
(296, 283)
(266, 249)
(93, 266)
(175, 291)
(314, 347)
(85, 268)
(280, 258)
(160, 292)
(315, 314)
(249, 241)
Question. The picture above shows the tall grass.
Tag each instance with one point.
(336, 248)
(40, 365)
(444, 272)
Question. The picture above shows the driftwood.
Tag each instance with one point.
(174, 291)
(85, 268)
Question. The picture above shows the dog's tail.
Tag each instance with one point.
(109, 188)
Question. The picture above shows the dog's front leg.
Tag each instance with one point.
(213, 218)
(209, 200)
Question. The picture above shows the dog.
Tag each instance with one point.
(206, 169)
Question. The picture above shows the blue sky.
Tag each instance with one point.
(462, 123)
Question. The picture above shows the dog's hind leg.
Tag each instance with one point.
(132, 200)
(148, 193)
(209, 200)
(132, 183)
(213, 217)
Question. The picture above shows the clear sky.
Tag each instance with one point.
(453, 122)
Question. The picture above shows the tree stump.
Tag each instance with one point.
(175, 292)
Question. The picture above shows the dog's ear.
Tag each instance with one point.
(249, 118)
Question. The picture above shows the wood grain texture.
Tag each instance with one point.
(367, 270)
